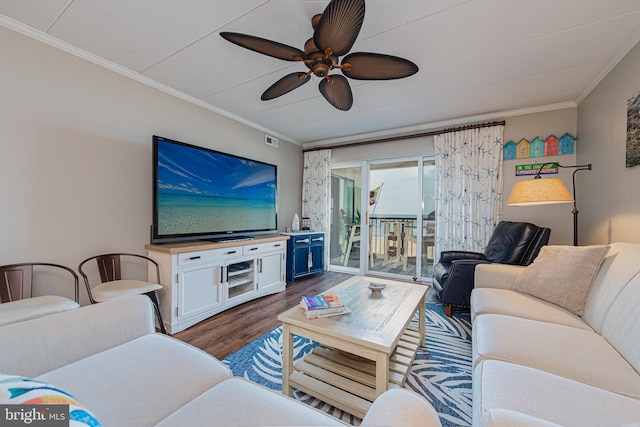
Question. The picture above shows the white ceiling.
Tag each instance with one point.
(478, 59)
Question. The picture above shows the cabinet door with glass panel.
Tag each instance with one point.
(240, 279)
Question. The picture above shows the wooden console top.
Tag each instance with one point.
(180, 247)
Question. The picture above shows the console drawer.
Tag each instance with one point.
(259, 248)
(307, 239)
(197, 257)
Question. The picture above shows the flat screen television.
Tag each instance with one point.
(203, 194)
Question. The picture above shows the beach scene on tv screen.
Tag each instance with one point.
(204, 192)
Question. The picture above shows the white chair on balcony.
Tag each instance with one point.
(352, 236)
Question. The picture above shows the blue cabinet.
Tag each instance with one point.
(305, 255)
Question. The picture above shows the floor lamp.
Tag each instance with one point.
(539, 191)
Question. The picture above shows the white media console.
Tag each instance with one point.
(201, 279)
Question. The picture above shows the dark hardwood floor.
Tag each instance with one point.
(232, 329)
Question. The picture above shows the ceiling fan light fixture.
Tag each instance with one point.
(335, 32)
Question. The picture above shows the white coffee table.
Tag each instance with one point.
(362, 353)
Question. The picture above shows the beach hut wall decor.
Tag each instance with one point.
(551, 146)
(523, 149)
(566, 144)
(509, 151)
(537, 147)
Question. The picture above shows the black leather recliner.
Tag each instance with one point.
(516, 243)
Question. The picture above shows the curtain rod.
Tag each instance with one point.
(415, 135)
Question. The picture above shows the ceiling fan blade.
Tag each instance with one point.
(339, 26)
(264, 46)
(337, 91)
(376, 66)
(285, 85)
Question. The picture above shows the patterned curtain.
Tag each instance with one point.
(468, 188)
(316, 182)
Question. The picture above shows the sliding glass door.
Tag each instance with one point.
(393, 213)
(394, 238)
(428, 217)
(346, 221)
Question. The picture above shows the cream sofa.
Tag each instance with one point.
(110, 359)
(537, 364)
(32, 308)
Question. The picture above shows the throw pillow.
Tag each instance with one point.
(24, 391)
(563, 275)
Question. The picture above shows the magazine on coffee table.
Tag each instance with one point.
(315, 314)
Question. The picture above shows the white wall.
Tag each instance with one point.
(528, 126)
(610, 196)
(75, 154)
(384, 150)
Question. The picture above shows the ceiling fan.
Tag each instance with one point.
(335, 32)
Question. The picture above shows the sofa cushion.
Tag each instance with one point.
(621, 328)
(103, 326)
(512, 303)
(32, 308)
(618, 269)
(245, 404)
(579, 355)
(16, 390)
(563, 275)
(506, 418)
(503, 385)
(140, 382)
(500, 276)
(409, 409)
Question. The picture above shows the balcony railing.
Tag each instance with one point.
(393, 241)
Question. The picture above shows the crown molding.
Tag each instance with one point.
(426, 127)
(610, 66)
(45, 38)
(126, 72)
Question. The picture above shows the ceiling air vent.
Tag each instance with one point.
(271, 141)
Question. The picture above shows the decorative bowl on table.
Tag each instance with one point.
(376, 288)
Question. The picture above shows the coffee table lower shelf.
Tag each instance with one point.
(349, 383)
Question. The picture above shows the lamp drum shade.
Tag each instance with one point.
(539, 192)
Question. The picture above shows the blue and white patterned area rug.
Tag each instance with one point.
(441, 372)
